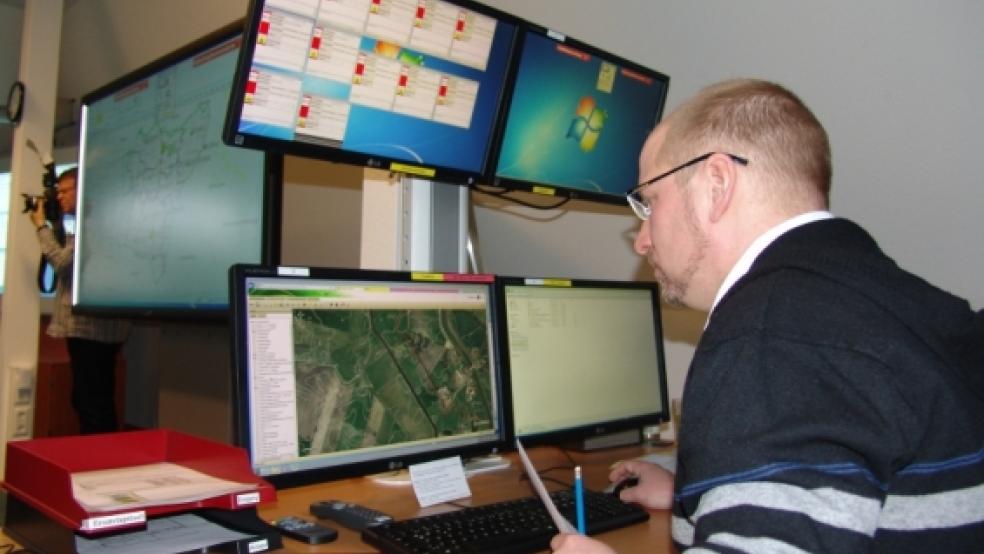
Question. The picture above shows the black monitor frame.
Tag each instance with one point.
(272, 187)
(238, 275)
(576, 437)
(561, 190)
(426, 170)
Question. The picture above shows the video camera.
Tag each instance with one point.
(49, 182)
(52, 210)
(52, 213)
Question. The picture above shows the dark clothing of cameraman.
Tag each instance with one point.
(93, 342)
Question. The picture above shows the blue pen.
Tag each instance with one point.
(579, 499)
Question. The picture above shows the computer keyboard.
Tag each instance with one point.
(510, 527)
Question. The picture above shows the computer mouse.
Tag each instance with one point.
(627, 482)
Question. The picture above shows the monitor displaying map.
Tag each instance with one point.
(342, 372)
(164, 206)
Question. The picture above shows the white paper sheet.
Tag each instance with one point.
(562, 524)
(147, 485)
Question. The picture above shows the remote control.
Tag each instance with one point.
(350, 515)
(305, 531)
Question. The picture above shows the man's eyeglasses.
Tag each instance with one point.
(641, 206)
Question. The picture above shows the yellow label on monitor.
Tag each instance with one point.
(412, 169)
(549, 282)
(548, 191)
(606, 77)
(417, 276)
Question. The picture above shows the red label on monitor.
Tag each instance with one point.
(217, 52)
(130, 91)
(637, 76)
(574, 53)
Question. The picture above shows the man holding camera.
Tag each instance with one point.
(93, 343)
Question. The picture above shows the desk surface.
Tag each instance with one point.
(399, 501)
(505, 484)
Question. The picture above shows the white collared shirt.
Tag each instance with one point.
(758, 245)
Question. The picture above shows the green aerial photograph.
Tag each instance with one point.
(378, 377)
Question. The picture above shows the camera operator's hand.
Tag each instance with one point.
(37, 216)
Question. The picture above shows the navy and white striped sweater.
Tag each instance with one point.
(834, 404)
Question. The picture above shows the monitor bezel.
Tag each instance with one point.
(271, 189)
(451, 175)
(555, 189)
(238, 274)
(574, 437)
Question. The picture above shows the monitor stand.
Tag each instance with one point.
(610, 440)
(478, 464)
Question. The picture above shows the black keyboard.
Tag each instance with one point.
(509, 527)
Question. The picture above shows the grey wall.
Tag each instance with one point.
(896, 82)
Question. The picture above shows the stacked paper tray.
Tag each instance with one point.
(39, 473)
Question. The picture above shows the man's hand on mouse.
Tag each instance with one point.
(655, 488)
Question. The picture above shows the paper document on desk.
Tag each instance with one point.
(560, 522)
(147, 485)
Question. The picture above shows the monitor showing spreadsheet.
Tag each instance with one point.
(582, 358)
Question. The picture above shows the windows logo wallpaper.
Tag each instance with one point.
(587, 123)
(575, 120)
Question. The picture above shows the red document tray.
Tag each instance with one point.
(39, 473)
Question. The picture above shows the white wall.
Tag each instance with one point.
(896, 82)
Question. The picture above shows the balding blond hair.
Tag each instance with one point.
(763, 122)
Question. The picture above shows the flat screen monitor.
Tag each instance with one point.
(583, 359)
(412, 86)
(164, 207)
(576, 120)
(345, 372)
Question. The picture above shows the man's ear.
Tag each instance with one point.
(723, 176)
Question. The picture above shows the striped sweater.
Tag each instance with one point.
(834, 404)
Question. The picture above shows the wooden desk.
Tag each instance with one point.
(399, 501)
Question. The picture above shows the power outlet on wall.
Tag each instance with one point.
(21, 403)
(22, 422)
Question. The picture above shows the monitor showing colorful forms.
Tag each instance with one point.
(164, 206)
(583, 359)
(577, 119)
(412, 86)
(344, 371)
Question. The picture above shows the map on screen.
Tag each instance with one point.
(165, 207)
(371, 377)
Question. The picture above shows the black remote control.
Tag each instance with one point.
(305, 531)
(350, 515)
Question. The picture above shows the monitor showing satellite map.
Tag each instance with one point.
(351, 371)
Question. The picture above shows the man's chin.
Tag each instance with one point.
(669, 294)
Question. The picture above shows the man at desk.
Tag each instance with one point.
(835, 402)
